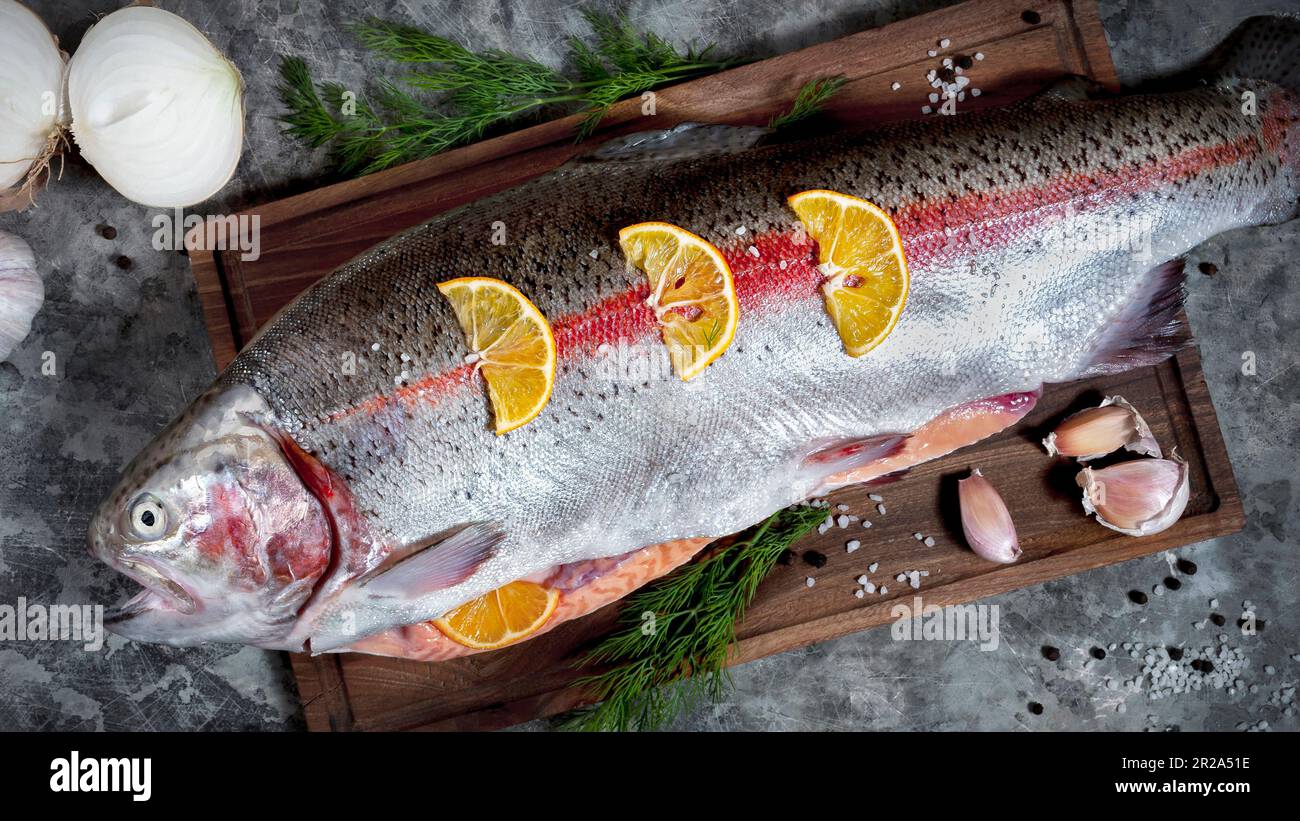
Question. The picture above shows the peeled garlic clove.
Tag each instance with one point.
(1137, 498)
(156, 108)
(985, 520)
(1096, 432)
(31, 99)
(21, 292)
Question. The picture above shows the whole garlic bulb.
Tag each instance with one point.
(21, 292)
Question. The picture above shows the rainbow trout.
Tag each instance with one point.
(340, 484)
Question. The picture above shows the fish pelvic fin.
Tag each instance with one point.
(435, 564)
(1150, 329)
(848, 455)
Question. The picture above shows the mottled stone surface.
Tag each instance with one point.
(131, 351)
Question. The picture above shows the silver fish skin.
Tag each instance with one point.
(1037, 237)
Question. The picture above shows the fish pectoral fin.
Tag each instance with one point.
(436, 564)
(851, 454)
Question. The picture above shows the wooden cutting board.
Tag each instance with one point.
(1026, 46)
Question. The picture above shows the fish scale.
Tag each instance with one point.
(1030, 233)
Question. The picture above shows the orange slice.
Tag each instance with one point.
(691, 292)
(503, 616)
(861, 256)
(510, 343)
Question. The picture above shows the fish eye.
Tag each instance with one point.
(148, 518)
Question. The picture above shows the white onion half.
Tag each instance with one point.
(31, 92)
(156, 109)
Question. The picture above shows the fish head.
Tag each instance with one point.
(214, 521)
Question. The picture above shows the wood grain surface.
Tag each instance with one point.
(1026, 46)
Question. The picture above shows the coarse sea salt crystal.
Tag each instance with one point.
(974, 92)
(809, 582)
(863, 579)
(374, 347)
(842, 521)
(880, 509)
(901, 577)
(866, 523)
(842, 508)
(918, 535)
(869, 587)
(925, 109)
(593, 253)
(929, 541)
(979, 55)
(875, 497)
(852, 545)
(471, 358)
(859, 593)
(740, 232)
(873, 567)
(884, 590)
(895, 86)
(934, 98)
(944, 43)
(932, 53)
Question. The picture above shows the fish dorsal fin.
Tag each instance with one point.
(434, 564)
(684, 141)
(1074, 89)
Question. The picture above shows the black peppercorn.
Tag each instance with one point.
(1035, 708)
(1176, 653)
(814, 558)
(1187, 567)
(1098, 653)
(1051, 653)
(1218, 620)
(1137, 597)
(1172, 583)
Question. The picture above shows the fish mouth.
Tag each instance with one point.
(159, 592)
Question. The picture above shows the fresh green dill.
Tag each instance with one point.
(674, 638)
(451, 95)
(808, 101)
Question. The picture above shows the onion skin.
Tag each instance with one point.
(1137, 498)
(1095, 432)
(985, 520)
(21, 292)
(156, 108)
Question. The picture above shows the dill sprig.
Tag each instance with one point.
(674, 638)
(452, 95)
(808, 101)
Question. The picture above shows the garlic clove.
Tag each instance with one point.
(1096, 432)
(1137, 498)
(985, 520)
(21, 292)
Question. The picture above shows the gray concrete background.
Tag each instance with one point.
(132, 352)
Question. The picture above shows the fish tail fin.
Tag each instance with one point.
(1151, 328)
(1261, 48)
(1267, 49)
